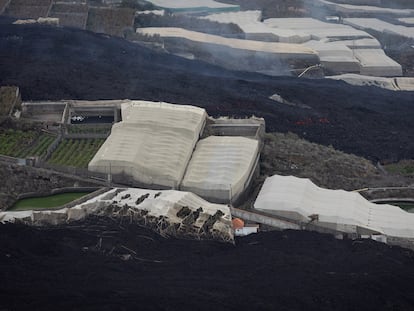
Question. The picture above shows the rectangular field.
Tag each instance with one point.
(23, 144)
(28, 8)
(75, 152)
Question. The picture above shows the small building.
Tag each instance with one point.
(246, 230)
(242, 229)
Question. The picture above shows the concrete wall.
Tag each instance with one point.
(30, 109)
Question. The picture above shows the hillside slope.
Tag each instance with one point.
(61, 63)
(100, 265)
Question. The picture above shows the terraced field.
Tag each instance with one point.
(89, 129)
(75, 152)
(22, 144)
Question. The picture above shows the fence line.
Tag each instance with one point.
(78, 171)
(52, 147)
(13, 160)
(86, 135)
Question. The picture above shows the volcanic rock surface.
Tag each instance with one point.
(100, 264)
(61, 63)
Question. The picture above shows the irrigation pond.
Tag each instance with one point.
(47, 202)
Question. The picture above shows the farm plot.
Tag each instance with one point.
(28, 8)
(70, 14)
(22, 144)
(110, 21)
(75, 152)
(89, 129)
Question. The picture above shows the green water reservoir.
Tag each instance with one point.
(48, 202)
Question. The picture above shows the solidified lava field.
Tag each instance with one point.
(61, 63)
(98, 264)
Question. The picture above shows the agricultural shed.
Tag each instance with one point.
(194, 6)
(374, 62)
(364, 9)
(180, 213)
(393, 84)
(316, 28)
(407, 20)
(364, 43)
(153, 143)
(380, 25)
(283, 50)
(335, 57)
(272, 58)
(221, 167)
(254, 29)
(301, 200)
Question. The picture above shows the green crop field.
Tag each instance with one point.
(75, 152)
(404, 167)
(22, 144)
(89, 129)
(47, 202)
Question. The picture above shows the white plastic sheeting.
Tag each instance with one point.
(298, 199)
(335, 57)
(380, 25)
(279, 49)
(316, 28)
(165, 204)
(254, 29)
(365, 9)
(375, 62)
(407, 20)
(393, 84)
(192, 4)
(157, 203)
(221, 166)
(152, 144)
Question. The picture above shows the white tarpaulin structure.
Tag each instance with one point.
(182, 213)
(317, 29)
(280, 49)
(254, 29)
(335, 57)
(393, 84)
(342, 48)
(221, 166)
(301, 200)
(374, 62)
(363, 9)
(152, 144)
(380, 25)
(272, 58)
(194, 5)
(407, 20)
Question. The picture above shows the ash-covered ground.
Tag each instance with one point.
(100, 264)
(58, 63)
